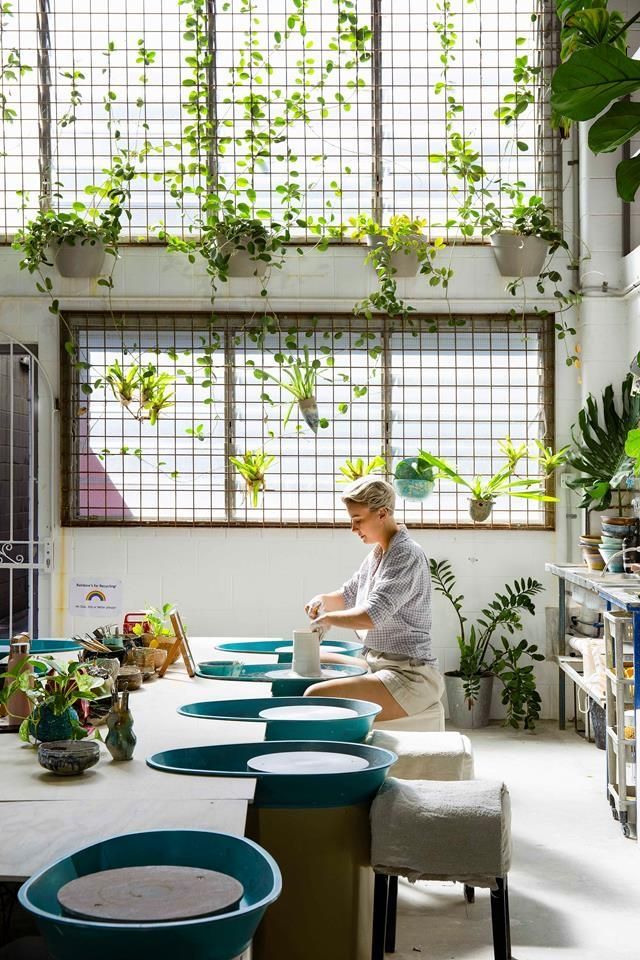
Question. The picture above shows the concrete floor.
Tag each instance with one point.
(574, 886)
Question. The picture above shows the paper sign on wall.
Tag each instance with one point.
(88, 597)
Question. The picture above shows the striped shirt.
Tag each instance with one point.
(394, 588)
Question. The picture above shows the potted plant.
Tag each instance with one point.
(503, 483)
(253, 467)
(76, 244)
(397, 249)
(354, 469)
(600, 458)
(523, 238)
(414, 478)
(486, 652)
(53, 695)
(160, 633)
(241, 246)
(301, 375)
(144, 387)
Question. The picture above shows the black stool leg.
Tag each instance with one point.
(469, 893)
(499, 914)
(380, 891)
(392, 909)
(507, 918)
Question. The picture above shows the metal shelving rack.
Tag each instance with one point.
(621, 761)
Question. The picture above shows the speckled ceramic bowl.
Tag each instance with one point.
(68, 758)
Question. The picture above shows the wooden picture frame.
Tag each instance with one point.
(181, 646)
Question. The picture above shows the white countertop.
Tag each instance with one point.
(44, 816)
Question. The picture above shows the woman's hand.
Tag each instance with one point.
(312, 608)
(321, 623)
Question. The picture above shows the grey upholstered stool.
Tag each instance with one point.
(433, 830)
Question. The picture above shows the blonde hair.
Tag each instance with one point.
(373, 492)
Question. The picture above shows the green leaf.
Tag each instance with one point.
(619, 124)
(588, 82)
(628, 178)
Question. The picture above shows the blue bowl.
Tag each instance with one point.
(220, 937)
(348, 648)
(344, 729)
(284, 789)
(279, 675)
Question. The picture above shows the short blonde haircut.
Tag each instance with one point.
(373, 492)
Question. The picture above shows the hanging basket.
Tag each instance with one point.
(84, 258)
(519, 256)
(309, 411)
(409, 483)
(480, 510)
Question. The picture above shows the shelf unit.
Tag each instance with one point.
(621, 752)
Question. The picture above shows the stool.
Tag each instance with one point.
(430, 719)
(432, 830)
(426, 756)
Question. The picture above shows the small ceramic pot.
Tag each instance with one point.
(129, 678)
(99, 710)
(47, 726)
(480, 510)
(416, 489)
(68, 758)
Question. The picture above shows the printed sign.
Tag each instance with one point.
(88, 597)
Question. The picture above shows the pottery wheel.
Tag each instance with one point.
(324, 648)
(150, 894)
(307, 761)
(303, 712)
(326, 673)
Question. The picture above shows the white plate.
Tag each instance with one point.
(303, 712)
(307, 761)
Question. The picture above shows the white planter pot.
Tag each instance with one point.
(79, 259)
(402, 263)
(241, 262)
(460, 714)
(519, 256)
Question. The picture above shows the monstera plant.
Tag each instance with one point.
(600, 456)
(597, 77)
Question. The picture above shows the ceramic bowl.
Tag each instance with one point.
(68, 758)
(618, 526)
(593, 560)
(614, 565)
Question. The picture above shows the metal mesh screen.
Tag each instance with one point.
(381, 391)
(364, 73)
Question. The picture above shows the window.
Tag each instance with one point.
(339, 101)
(381, 391)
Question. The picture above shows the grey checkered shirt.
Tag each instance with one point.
(394, 588)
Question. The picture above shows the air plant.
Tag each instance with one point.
(253, 467)
(354, 469)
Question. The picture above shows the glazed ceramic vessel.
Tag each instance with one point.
(47, 726)
(68, 758)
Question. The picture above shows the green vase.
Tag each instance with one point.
(121, 740)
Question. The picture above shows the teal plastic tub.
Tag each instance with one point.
(284, 789)
(46, 646)
(220, 937)
(279, 675)
(343, 729)
(348, 648)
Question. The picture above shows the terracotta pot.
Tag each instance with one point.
(480, 510)
(519, 256)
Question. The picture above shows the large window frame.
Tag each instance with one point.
(412, 400)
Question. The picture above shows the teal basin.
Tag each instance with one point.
(348, 648)
(277, 674)
(284, 789)
(46, 646)
(220, 937)
(343, 729)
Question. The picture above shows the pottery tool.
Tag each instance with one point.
(306, 762)
(150, 894)
(306, 653)
(95, 646)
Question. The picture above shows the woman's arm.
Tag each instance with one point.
(354, 619)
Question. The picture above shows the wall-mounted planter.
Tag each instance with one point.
(480, 510)
(84, 258)
(416, 489)
(309, 411)
(519, 256)
(241, 262)
(403, 263)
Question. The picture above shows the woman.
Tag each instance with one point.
(389, 598)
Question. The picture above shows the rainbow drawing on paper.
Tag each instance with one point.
(95, 595)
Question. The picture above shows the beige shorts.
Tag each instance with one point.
(412, 683)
